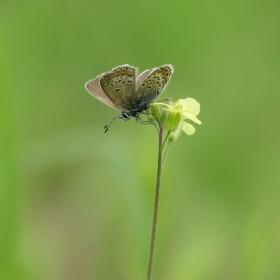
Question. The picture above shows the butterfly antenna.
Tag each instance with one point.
(106, 127)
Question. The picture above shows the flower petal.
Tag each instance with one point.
(192, 106)
(188, 128)
(190, 116)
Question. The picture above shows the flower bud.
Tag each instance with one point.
(150, 115)
(156, 111)
(164, 116)
(173, 121)
(173, 136)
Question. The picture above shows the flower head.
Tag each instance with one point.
(178, 112)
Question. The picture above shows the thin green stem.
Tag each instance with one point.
(165, 139)
(156, 203)
(166, 150)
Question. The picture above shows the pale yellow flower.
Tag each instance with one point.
(178, 113)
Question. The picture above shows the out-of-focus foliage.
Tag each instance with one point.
(77, 203)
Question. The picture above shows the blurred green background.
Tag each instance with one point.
(77, 203)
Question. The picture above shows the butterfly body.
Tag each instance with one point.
(121, 90)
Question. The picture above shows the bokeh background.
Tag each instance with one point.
(77, 203)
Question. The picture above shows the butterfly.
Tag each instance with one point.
(121, 90)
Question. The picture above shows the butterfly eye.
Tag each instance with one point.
(125, 116)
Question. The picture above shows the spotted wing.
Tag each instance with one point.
(119, 86)
(150, 84)
(94, 88)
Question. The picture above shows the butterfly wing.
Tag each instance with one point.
(143, 76)
(94, 88)
(150, 84)
(119, 85)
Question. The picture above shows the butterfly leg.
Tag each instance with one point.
(138, 119)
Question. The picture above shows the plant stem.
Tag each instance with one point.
(165, 139)
(156, 202)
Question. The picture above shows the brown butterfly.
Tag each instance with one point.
(121, 90)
